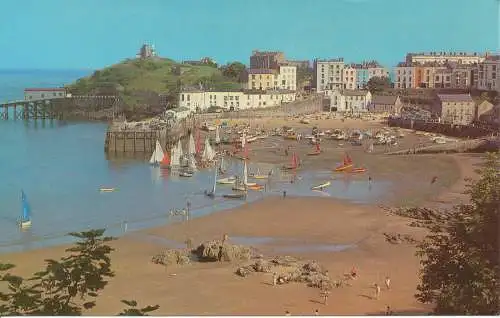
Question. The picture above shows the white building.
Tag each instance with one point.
(378, 71)
(287, 77)
(198, 100)
(328, 74)
(44, 93)
(488, 77)
(178, 113)
(445, 57)
(351, 101)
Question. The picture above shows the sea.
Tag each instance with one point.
(61, 167)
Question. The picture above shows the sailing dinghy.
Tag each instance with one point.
(217, 135)
(211, 194)
(25, 221)
(321, 186)
(157, 155)
(315, 152)
(294, 164)
(346, 164)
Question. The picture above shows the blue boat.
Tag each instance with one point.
(26, 212)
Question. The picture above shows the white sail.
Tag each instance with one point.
(192, 162)
(191, 145)
(208, 152)
(175, 159)
(221, 165)
(215, 181)
(217, 136)
(157, 155)
(245, 173)
(370, 149)
(179, 149)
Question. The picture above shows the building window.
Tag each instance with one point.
(43, 95)
(188, 97)
(54, 94)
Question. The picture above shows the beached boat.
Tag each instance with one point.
(25, 221)
(358, 170)
(157, 155)
(186, 174)
(316, 152)
(229, 180)
(321, 186)
(256, 187)
(305, 121)
(206, 126)
(208, 153)
(258, 175)
(239, 195)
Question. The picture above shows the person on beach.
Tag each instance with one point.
(284, 194)
(325, 293)
(354, 273)
(388, 282)
(388, 311)
(316, 312)
(377, 290)
(434, 179)
(275, 279)
(287, 313)
(369, 179)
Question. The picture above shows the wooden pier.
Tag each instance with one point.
(75, 107)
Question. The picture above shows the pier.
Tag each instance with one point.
(74, 107)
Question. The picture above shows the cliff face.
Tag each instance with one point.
(139, 82)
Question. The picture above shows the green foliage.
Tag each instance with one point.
(460, 257)
(65, 287)
(234, 70)
(132, 309)
(378, 84)
(155, 75)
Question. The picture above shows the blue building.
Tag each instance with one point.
(361, 78)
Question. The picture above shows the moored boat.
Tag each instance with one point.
(358, 170)
(25, 221)
(321, 186)
(241, 195)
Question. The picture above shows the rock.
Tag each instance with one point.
(172, 257)
(211, 250)
(244, 271)
(262, 266)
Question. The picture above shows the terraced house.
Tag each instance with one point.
(350, 101)
(328, 74)
(457, 109)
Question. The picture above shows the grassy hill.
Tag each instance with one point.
(139, 81)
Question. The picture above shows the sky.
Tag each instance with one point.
(92, 34)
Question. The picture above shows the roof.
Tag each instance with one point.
(59, 89)
(455, 98)
(354, 92)
(384, 99)
(261, 71)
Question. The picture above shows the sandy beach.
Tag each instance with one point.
(305, 227)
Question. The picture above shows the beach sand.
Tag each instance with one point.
(208, 288)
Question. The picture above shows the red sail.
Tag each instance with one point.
(198, 142)
(347, 160)
(166, 159)
(317, 147)
(295, 160)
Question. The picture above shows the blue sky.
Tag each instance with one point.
(91, 34)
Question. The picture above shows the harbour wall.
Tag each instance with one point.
(471, 131)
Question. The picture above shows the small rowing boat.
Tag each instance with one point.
(321, 186)
(107, 189)
(358, 170)
(185, 174)
(229, 180)
(256, 187)
(240, 195)
(343, 168)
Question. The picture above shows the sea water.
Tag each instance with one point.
(62, 165)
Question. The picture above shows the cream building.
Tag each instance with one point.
(197, 100)
(488, 74)
(349, 77)
(353, 101)
(328, 74)
(445, 57)
(458, 109)
(287, 78)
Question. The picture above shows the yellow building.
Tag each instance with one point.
(262, 79)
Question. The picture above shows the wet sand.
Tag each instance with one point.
(293, 222)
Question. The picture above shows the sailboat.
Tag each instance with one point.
(165, 162)
(294, 164)
(183, 163)
(315, 152)
(217, 135)
(208, 153)
(25, 221)
(221, 166)
(157, 155)
(370, 148)
(346, 164)
(211, 194)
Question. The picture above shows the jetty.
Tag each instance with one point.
(131, 138)
(70, 107)
(480, 144)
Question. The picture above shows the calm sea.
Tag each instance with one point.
(61, 167)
